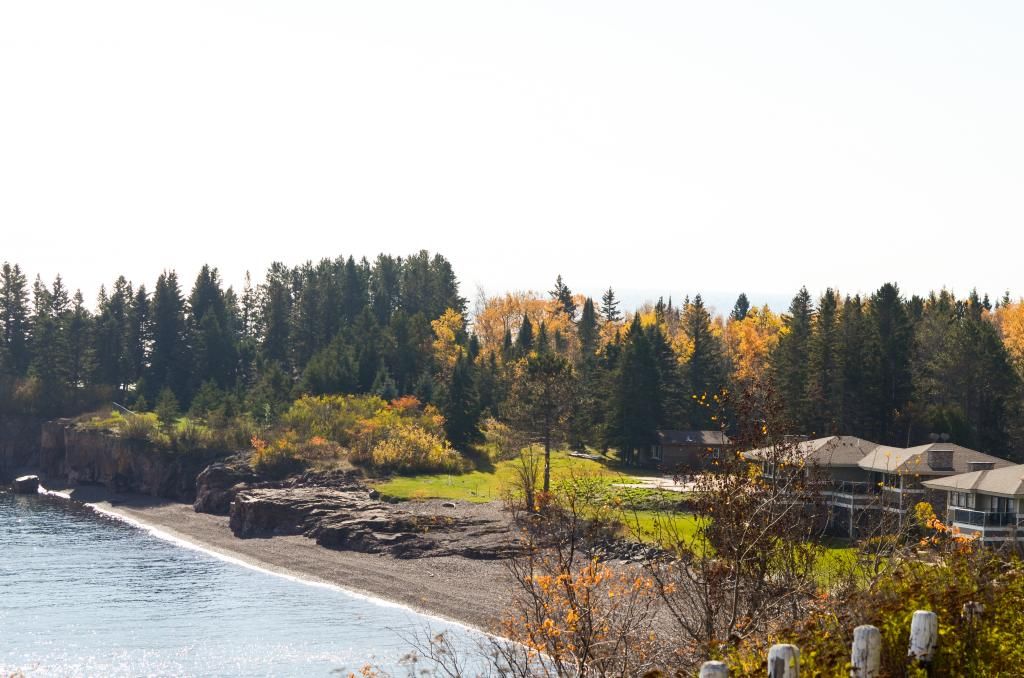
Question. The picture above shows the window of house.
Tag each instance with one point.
(656, 452)
(962, 499)
(1001, 505)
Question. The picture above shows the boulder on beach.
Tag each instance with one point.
(26, 485)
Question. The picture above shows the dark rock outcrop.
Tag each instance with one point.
(218, 483)
(19, 444)
(26, 485)
(80, 456)
(348, 518)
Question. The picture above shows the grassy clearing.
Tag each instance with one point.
(639, 522)
(647, 526)
(491, 483)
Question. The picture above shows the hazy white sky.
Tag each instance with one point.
(670, 146)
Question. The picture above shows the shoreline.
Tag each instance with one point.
(447, 589)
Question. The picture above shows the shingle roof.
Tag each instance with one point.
(829, 451)
(1006, 482)
(916, 459)
(709, 438)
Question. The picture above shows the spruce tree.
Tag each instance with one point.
(169, 367)
(894, 335)
(634, 406)
(524, 340)
(137, 339)
(462, 405)
(541, 342)
(44, 346)
(741, 308)
(113, 364)
(275, 313)
(610, 307)
(824, 369)
(789, 360)
(14, 319)
(76, 356)
(563, 295)
(587, 329)
(706, 372)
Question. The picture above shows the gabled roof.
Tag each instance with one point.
(832, 451)
(917, 460)
(708, 438)
(1004, 482)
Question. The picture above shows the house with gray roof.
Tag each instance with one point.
(685, 450)
(900, 472)
(987, 502)
(835, 463)
(863, 481)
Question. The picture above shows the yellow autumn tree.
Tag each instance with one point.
(750, 341)
(1009, 319)
(446, 344)
(503, 314)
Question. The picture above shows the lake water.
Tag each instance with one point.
(82, 594)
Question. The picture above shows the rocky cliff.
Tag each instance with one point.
(19, 444)
(337, 510)
(90, 457)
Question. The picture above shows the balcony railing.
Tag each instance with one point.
(853, 487)
(982, 518)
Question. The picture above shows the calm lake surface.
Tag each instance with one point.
(86, 595)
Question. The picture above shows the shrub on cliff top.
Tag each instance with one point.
(138, 426)
(359, 421)
(412, 449)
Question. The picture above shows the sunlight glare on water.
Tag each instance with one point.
(86, 595)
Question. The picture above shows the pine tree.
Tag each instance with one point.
(167, 408)
(673, 402)
(541, 399)
(137, 334)
(385, 287)
(14, 320)
(111, 336)
(384, 385)
(635, 399)
(76, 357)
(741, 308)
(563, 295)
(824, 369)
(541, 342)
(214, 352)
(894, 335)
(587, 330)
(524, 340)
(789, 360)
(462, 405)
(610, 307)
(275, 312)
(44, 345)
(706, 370)
(169, 367)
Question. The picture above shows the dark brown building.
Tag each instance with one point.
(685, 450)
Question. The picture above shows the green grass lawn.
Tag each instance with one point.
(490, 484)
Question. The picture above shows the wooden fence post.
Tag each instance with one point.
(784, 661)
(714, 670)
(924, 636)
(867, 652)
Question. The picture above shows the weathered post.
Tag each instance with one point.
(867, 652)
(784, 661)
(924, 636)
(714, 670)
